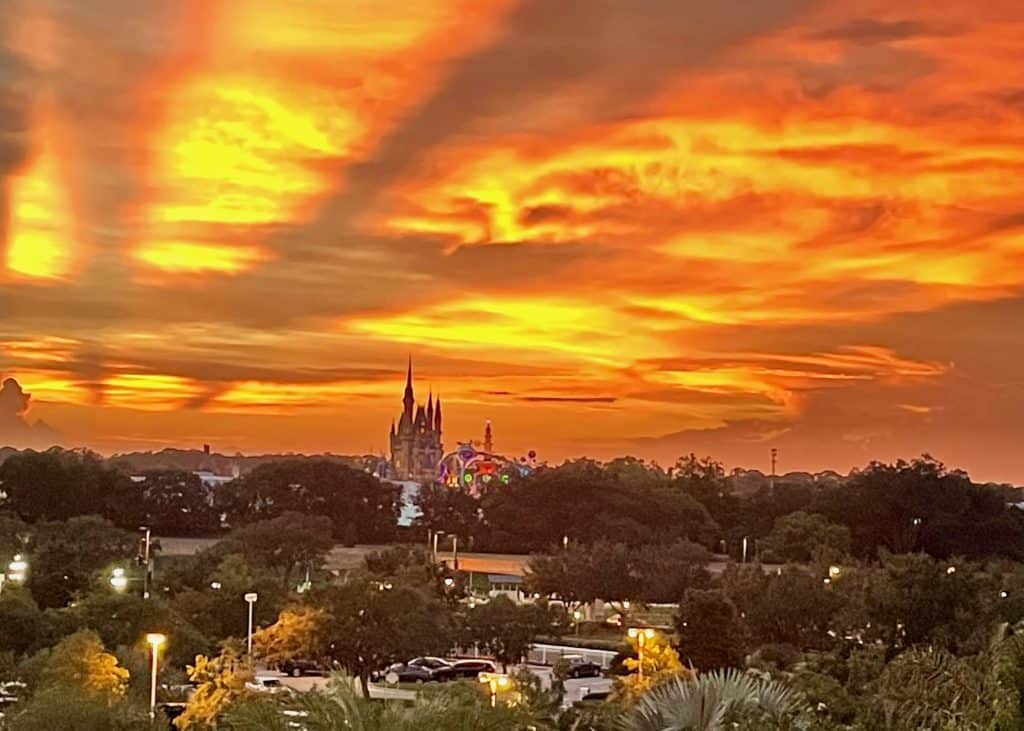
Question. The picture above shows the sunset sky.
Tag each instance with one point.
(608, 226)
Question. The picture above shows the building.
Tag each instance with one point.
(416, 447)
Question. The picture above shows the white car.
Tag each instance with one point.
(267, 684)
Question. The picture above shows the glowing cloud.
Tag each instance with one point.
(183, 258)
(41, 239)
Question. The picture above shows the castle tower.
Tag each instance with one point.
(409, 401)
(416, 448)
(488, 439)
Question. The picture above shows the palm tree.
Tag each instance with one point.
(704, 704)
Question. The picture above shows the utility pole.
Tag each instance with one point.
(775, 456)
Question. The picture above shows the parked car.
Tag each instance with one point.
(267, 684)
(440, 669)
(471, 668)
(580, 667)
(297, 667)
(404, 673)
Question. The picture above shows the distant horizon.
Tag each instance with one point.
(728, 468)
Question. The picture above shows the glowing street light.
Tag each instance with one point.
(834, 571)
(495, 682)
(156, 641)
(577, 615)
(118, 580)
(641, 635)
(17, 569)
(250, 599)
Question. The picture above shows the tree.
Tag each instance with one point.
(121, 620)
(707, 702)
(921, 506)
(64, 557)
(344, 495)
(617, 574)
(537, 512)
(297, 634)
(373, 627)
(665, 573)
(929, 688)
(57, 485)
(22, 626)
(177, 503)
(219, 682)
(914, 599)
(14, 535)
(802, 537)
(72, 709)
(791, 606)
(506, 629)
(81, 661)
(656, 663)
(709, 630)
(453, 510)
(285, 543)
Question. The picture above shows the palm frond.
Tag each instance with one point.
(704, 704)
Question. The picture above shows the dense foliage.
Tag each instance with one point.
(894, 599)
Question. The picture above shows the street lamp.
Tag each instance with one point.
(577, 615)
(250, 599)
(119, 581)
(145, 560)
(641, 635)
(437, 537)
(495, 682)
(155, 641)
(17, 569)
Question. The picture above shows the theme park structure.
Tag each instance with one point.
(475, 469)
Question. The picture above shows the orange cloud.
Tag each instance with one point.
(177, 257)
(41, 238)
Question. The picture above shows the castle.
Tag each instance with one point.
(416, 443)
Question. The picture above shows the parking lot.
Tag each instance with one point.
(574, 689)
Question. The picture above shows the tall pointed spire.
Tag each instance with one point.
(430, 409)
(409, 401)
(437, 416)
(488, 438)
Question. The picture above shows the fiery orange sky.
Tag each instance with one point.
(609, 227)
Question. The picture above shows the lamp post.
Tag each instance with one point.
(437, 537)
(495, 682)
(155, 641)
(145, 560)
(577, 615)
(250, 599)
(641, 636)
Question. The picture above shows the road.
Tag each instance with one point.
(345, 558)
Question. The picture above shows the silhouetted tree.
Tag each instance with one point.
(344, 495)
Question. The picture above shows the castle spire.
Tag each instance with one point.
(409, 401)
(437, 416)
(488, 440)
(430, 409)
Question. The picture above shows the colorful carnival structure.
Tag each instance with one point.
(474, 469)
